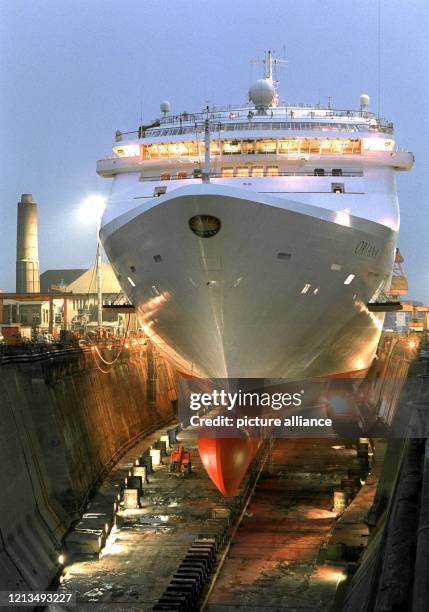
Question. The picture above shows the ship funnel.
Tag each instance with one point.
(27, 257)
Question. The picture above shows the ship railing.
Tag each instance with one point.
(301, 125)
(215, 175)
(228, 157)
(284, 109)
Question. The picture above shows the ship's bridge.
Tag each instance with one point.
(285, 117)
(267, 137)
(251, 144)
(269, 140)
(294, 131)
(266, 134)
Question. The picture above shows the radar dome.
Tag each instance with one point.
(262, 93)
(364, 100)
(165, 107)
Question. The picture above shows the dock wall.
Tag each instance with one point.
(64, 420)
(392, 572)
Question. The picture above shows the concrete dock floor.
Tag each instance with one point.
(146, 546)
(272, 563)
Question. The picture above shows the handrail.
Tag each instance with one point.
(35, 352)
(283, 109)
(298, 125)
(357, 173)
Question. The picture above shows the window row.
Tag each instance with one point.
(287, 146)
(294, 147)
(246, 171)
(243, 171)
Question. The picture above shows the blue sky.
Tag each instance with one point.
(72, 72)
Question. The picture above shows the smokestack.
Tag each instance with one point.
(27, 257)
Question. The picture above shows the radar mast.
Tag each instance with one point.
(263, 93)
(270, 62)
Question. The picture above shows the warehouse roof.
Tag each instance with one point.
(58, 277)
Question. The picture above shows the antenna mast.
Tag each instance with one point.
(379, 59)
(207, 169)
(269, 63)
(269, 66)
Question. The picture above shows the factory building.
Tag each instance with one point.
(81, 309)
(82, 306)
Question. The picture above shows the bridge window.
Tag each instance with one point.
(319, 172)
(347, 147)
(263, 146)
(227, 172)
(258, 171)
(132, 150)
(165, 176)
(304, 147)
(315, 146)
(266, 146)
(248, 147)
(351, 146)
(242, 171)
(231, 147)
(182, 175)
(326, 146)
(337, 146)
(337, 172)
(288, 146)
(214, 148)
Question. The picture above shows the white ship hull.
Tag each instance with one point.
(229, 305)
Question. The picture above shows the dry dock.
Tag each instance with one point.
(315, 519)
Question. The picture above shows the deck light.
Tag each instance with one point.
(92, 208)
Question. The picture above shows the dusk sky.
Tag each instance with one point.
(73, 72)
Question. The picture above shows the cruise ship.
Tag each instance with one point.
(252, 238)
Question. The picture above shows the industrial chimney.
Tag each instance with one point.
(27, 258)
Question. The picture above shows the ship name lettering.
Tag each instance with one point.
(367, 249)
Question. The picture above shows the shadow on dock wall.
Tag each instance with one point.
(63, 423)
